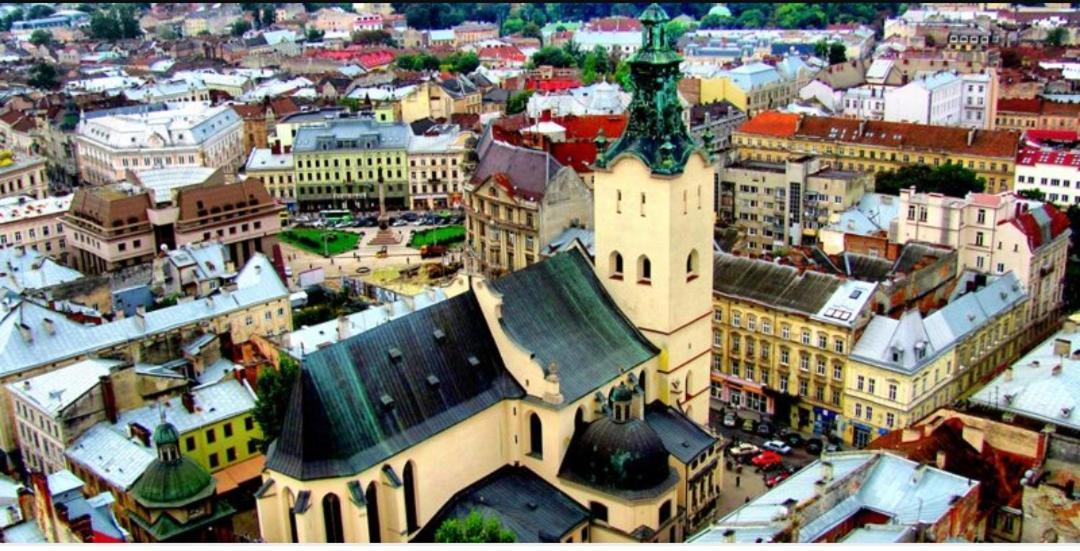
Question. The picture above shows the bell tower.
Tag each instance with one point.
(653, 194)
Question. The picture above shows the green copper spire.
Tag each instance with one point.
(655, 132)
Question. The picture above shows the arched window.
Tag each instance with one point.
(692, 265)
(372, 498)
(536, 436)
(579, 418)
(641, 385)
(644, 269)
(409, 481)
(616, 265)
(331, 510)
(290, 503)
(686, 384)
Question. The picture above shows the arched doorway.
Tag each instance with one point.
(409, 481)
(536, 436)
(331, 507)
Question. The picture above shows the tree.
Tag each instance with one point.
(948, 179)
(41, 37)
(716, 21)
(239, 27)
(43, 75)
(463, 62)
(512, 25)
(269, 16)
(314, 35)
(1033, 194)
(116, 23)
(837, 53)
(674, 30)
(1057, 36)
(103, 26)
(532, 30)
(274, 386)
(517, 102)
(38, 11)
(750, 19)
(821, 49)
(622, 75)
(373, 37)
(474, 529)
(167, 32)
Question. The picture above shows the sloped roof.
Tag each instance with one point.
(1041, 225)
(682, 437)
(231, 198)
(526, 504)
(527, 171)
(772, 284)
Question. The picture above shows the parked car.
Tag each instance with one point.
(814, 446)
(764, 428)
(730, 419)
(743, 449)
(777, 446)
(792, 438)
(767, 459)
(777, 477)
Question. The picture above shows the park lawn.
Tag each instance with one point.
(311, 240)
(444, 235)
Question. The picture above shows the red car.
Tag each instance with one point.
(767, 459)
(776, 478)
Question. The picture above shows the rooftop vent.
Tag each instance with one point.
(474, 361)
(387, 401)
(440, 337)
(395, 354)
(432, 380)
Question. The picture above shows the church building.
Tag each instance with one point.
(569, 401)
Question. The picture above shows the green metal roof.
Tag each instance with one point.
(655, 133)
(167, 528)
(173, 484)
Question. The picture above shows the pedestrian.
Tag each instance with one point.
(746, 499)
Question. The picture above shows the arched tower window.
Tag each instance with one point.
(536, 436)
(644, 267)
(290, 504)
(616, 265)
(331, 507)
(409, 481)
(579, 418)
(692, 265)
(372, 498)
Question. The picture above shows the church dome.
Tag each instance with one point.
(619, 456)
(172, 480)
(720, 10)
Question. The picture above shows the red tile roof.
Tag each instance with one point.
(1041, 225)
(554, 84)
(1020, 105)
(614, 24)
(896, 135)
(502, 53)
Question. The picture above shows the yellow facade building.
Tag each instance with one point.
(903, 369)
(878, 146)
(781, 340)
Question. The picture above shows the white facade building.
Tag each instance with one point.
(1055, 171)
(864, 102)
(979, 99)
(188, 135)
(935, 99)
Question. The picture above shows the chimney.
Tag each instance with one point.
(798, 123)
(939, 460)
(27, 335)
(1070, 326)
(1008, 373)
(826, 471)
(342, 328)
(819, 488)
(975, 437)
(1056, 370)
(140, 317)
(109, 397)
(1061, 347)
(20, 251)
(50, 327)
(188, 399)
(729, 535)
(971, 137)
(862, 126)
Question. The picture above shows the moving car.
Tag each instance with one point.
(767, 459)
(777, 477)
(743, 449)
(432, 251)
(777, 446)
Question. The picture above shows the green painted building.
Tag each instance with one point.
(352, 164)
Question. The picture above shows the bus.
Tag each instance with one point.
(334, 216)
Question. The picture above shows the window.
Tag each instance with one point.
(616, 265)
(230, 454)
(409, 482)
(599, 510)
(210, 436)
(783, 384)
(890, 420)
(869, 413)
(785, 332)
(644, 269)
(189, 443)
(837, 372)
(766, 327)
(536, 436)
(981, 216)
(751, 322)
(802, 388)
(718, 338)
(692, 265)
(838, 345)
(736, 319)
(252, 446)
(979, 239)
(214, 460)
(821, 366)
(858, 410)
(892, 392)
(804, 362)
(228, 429)
(822, 340)
(860, 381)
(785, 356)
(665, 511)
(870, 386)
(718, 315)
(806, 336)
(331, 506)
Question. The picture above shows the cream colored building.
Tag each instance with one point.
(277, 173)
(22, 175)
(903, 369)
(778, 204)
(437, 169)
(34, 224)
(997, 234)
(518, 202)
(590, 382)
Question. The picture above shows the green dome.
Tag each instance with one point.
(720, 10)
(621, 394)
(166, 433)
(172, 484)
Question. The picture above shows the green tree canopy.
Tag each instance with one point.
(274, 386)
(418, 62)
(554, 56)
(41, 37)
(38, 11)
(1057, 36)
(462, 62)
(239, 27)
(379, 37)
(1033, 194)
(517, 102)
(116, 23)
(314, 35)
(473, 529)
(948, 179)
(43, 75)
